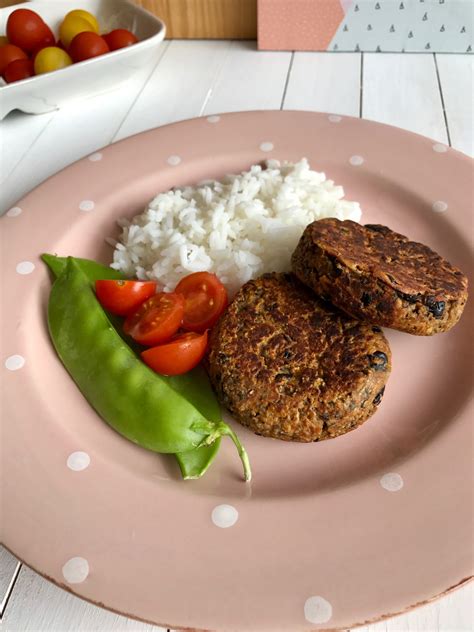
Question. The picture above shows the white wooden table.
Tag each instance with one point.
(426, 93)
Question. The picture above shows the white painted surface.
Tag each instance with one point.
(36, 605)
(197, 78)
(324, 82)
(403, 90)
(455, 71)
(9, 567)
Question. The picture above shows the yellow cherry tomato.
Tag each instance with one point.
(3, 40)
(72, 26)
(51, 58)
(85, 15)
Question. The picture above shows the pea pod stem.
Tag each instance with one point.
(213, 431)
(244, 457)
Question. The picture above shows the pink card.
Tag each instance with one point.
(366, 25)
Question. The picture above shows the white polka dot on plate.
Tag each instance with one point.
(267, 146)
(440, 148)
(173, 160)
(213, 119)
(95, 157)
(317, 610)
(356, 161)
(439, 206)
(392, 482)
(25, 267)
(86, 205)
(224, 516)
(14, 212)
(78, 461)
(335, 118)
(75, 570)
(15, 362)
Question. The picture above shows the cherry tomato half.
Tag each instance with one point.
(18, 70)
(178, 356)
(120, 38)
(123, 297)
(72, 26)
(51, 58)
(206, 299)
(27, 30)
(86, 45)
(3, 40)
(156, 320)
(9, 53)
(85, 15)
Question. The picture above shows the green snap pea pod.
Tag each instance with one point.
(123, 390)
(194, 385)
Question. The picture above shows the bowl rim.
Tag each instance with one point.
(149, 41)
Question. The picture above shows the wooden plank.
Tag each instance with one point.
(9, 568)
(452, 613)
(403, 90)
(36, 605)
(201, 77)
(72, 132)
(179, 87)
(312, 84)
(18, 132)
(206, 19)
(249, 80)
(456, 74)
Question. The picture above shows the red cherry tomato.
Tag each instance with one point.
(27, 30)
(9, 53)
(156, 320)
(123, 297)
(86, 45)
(178, 356)
(18, 70)
(206, 299)
(120, 38)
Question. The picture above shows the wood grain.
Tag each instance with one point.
(403, 90)
(9, 567)
(456, 75)
(206, 19)
(312, 84)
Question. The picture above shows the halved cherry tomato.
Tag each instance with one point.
(178, 356)
(86, 45)
(206, 299)
(27, 30)
(18, 70)
(156, 320)
(9, 53)
(120, 38)
(3, 40)
(123, 297)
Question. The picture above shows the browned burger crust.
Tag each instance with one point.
(377, 275)
(292, 367)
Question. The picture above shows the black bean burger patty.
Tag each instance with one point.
(377, 275)
(292, 367)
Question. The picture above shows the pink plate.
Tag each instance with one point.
(327, 535)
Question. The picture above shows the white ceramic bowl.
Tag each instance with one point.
(50, 91)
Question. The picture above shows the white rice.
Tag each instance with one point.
(238, 228)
